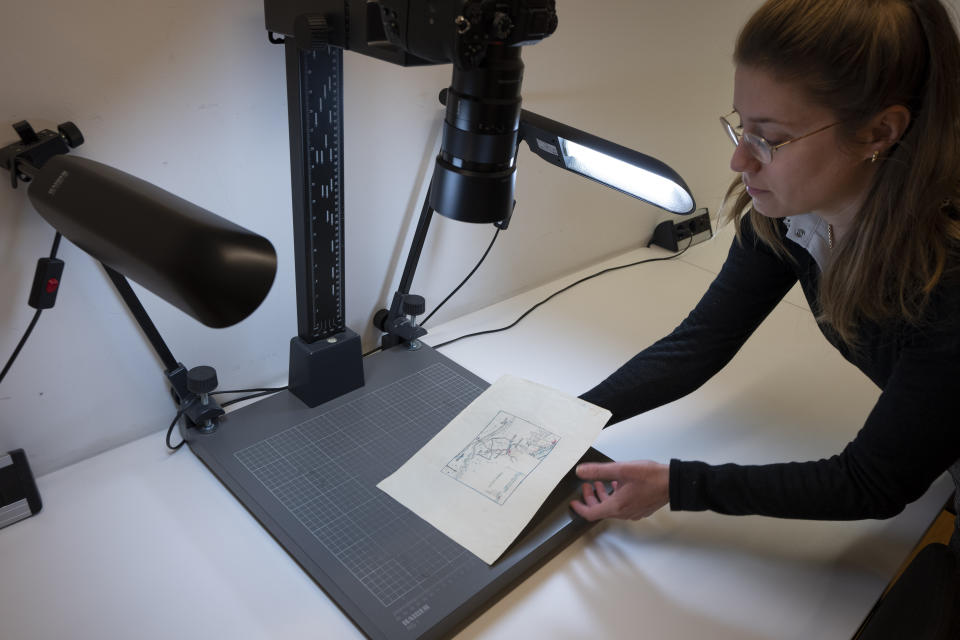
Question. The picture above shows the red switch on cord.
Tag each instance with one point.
(46, 283)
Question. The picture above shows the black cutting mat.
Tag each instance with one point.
(324, 471)
(310, 475)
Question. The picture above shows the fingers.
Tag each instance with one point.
(584, 511)
(599, 471)
(596, 503)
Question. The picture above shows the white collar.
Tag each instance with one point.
(809, 231)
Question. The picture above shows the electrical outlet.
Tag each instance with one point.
(692, 230)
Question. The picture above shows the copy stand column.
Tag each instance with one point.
(325, 357)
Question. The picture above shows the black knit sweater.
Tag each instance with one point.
(911, 436)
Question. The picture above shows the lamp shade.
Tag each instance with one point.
(208, 267)
(606, 162)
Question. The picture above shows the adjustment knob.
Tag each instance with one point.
(502, 26)
(380, 319)
(71, 133)
(414, 305)
(311, 32)
(201, 380)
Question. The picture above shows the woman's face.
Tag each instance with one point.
(812, 175)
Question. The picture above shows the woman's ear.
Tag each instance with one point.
(886, 128)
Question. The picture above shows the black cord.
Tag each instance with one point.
(23, 341)
(469, 275)
(452, 293)
(264, 392)
(269, 389)
(56, 245)
(261, 392)
(33, 323)
(566, 288)
(174, 423)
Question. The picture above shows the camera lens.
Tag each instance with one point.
(475, 172)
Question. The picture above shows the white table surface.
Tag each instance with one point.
(140, 543)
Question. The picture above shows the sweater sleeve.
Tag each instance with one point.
(750, 284)
(909, 438)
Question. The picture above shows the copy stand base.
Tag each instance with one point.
(310, 476)
(325, 369)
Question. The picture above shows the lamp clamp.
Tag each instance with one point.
(23, 158)
(192, 397)
(399, 323)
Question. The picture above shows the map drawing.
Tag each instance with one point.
(501, 456)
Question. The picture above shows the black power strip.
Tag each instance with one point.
(671, 235)
(19, 497)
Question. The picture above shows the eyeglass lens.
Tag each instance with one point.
(758, 147)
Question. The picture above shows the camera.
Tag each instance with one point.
(474, 175)
(475, 172)
(462, 31)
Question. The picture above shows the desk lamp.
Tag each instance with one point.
(208, 267)
(606, 162)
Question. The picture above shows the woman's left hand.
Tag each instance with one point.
(639, 489)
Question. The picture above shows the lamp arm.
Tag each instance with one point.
(197, 413)
(397, 323)
(416, 246)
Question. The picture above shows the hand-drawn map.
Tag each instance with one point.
(482, 477)
(501, 456)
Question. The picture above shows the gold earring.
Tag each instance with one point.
(876, 154)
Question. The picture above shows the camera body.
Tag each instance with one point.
(475, 171)
(461, 31)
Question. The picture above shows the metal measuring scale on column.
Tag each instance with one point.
(325, 356)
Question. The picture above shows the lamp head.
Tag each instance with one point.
(208, 267)
(616, 166)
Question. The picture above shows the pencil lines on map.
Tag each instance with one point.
(501, 456)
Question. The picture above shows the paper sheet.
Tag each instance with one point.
(483, 477)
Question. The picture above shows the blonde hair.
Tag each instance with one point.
(857, 57)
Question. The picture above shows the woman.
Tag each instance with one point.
(847, 126)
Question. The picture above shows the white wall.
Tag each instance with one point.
(190, 96)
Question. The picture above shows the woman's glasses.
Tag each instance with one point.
(758, 146)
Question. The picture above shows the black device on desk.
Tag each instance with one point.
(306, 462)
(19, 497)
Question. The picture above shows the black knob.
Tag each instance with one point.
(71, 133)
(311, 32)
(414, 305)
(202, 379)
(502, 26)
(380, 319)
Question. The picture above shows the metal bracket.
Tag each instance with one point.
(22, 159)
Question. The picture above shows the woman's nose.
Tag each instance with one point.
(743, 159)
